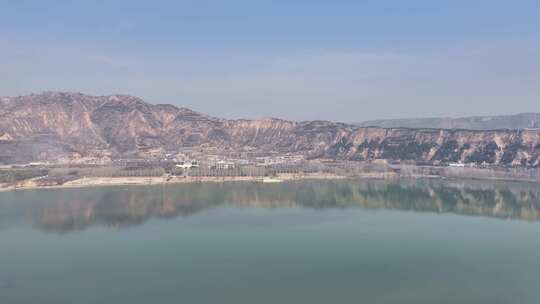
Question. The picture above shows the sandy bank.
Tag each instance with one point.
(143, 181)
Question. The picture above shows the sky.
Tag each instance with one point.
(348, 60)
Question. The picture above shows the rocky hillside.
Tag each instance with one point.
(433, 146)
(44, 126)
(511, 122)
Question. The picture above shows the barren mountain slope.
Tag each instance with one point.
(43, 126)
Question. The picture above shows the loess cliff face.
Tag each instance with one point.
(43, 126)
(505, 147)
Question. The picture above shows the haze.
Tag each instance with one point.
(336, 60)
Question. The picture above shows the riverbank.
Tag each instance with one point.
(383, 172)
(145, 181)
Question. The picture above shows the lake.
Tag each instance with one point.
(346, 241)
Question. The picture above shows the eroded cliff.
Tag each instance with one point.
(41, 126)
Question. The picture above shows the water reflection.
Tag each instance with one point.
(77, 209)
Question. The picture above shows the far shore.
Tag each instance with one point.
(86, 182)
(161, 180)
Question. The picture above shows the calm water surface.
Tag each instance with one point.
(298, 242)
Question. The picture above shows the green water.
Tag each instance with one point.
(298, 242)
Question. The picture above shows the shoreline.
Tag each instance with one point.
(87, 182)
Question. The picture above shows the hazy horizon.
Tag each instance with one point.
(277, 117)
(300, 60)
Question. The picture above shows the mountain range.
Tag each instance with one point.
(511, 122)
(51, 124)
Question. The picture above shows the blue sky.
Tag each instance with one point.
(338, 60)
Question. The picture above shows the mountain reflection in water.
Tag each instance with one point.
(76, 209)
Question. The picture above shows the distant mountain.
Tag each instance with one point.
(45, 126)
(51, 125)
(511, 122)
